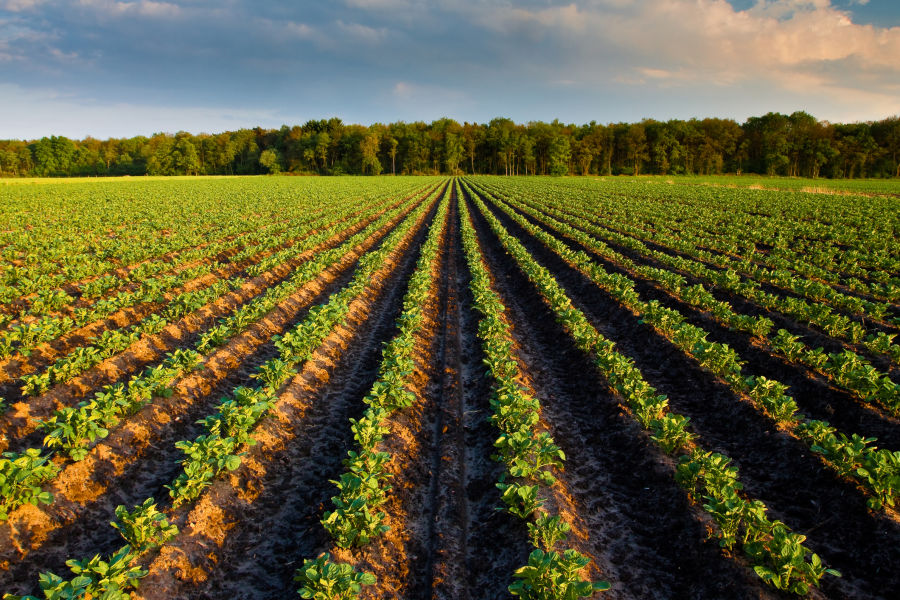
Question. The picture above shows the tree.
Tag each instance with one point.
(559, 154)
(636, 146)
(184, 159)
(369, 149)
(453, 153)
(270, 161)
(393, 153)
(321, 152)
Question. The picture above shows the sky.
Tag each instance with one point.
(111, 68)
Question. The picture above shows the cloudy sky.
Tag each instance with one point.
(120, 68)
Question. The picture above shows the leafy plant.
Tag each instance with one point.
(144, 527)
(322, 579)
(554, 576)
(21, 476)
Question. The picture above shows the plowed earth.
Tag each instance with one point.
(246, 535)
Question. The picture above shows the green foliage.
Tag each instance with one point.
(94, 578)
(554, 576)
(322, 579)
(144, 527)
(21, 476)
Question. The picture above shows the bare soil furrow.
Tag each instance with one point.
(282, 487)
(138, 458)
(443, 570)
(648, 540)
(774, 467)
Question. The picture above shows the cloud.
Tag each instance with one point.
(19, 5)
(710, 42)
(359, 32)
(146, 8)
(369, 60)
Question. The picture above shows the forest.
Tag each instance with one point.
(774, 144)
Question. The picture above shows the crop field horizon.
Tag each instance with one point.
(468, 387)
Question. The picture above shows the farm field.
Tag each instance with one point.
(431, 387)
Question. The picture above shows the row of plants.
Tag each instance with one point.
(24, 336)
(529, 454)
(144, 528)
(60, 234)
(777, 554)
(227, 326)
(229, 429)
(825, 299)
(215, 451)
(48, 301)
(356, 518)
(74, 429)
(845, 369)
(877, 471)
(779, 255)
(111, 342)
(850, 238)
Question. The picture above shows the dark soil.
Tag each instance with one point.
(774, 467)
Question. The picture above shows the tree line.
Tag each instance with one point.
(773, 144)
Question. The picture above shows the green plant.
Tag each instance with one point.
(322, 579)
(144, 527)
(21, 476)
(547, 530)
(554, 576)
(520, 500)
(94, 578)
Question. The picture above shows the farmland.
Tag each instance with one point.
(468, 387)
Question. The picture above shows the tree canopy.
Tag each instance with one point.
(775, 144)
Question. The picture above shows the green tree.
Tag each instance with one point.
(636, 146)
(270, 161)
(369, 149)
(453, 153)
(560, 153)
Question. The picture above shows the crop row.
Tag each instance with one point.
(530, 455)
(877, 471)
(846, 369)
(230, 428)
(777, 554)
(356, 518)
(73, 429)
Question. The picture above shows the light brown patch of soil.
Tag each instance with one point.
(90, 479)
(294, 423)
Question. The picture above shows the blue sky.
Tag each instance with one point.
(126, 67)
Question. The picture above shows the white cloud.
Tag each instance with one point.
(19, 5)
(362, 33)
(146, 8)
(801, 46)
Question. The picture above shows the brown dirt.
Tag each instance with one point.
(22, 417)
(145, 440)
(286, 472)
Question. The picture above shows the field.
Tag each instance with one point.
(453, 388)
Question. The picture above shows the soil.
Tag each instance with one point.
(247, 534)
